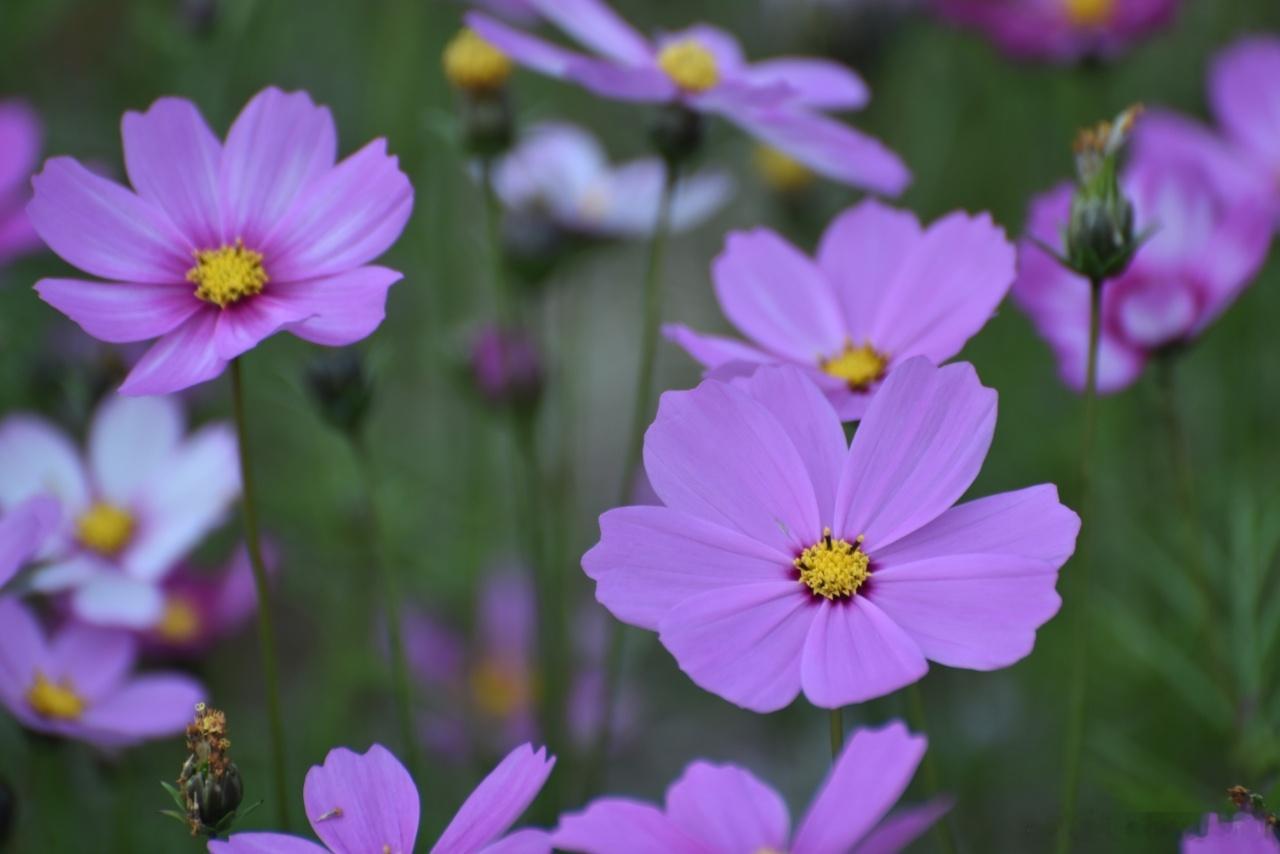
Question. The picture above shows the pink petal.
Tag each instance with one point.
(712, 351)
(362, 802)
(279, 144)
(640, 83)
(38, 458)
(920, 445)
(743, 643)
(104, 229)
(595, 25)
(173, 158)
(1242, 834)
(153, 706)
(619, 826)
(899, 830)
(20, 133)
(182, 358)
(728, 809)
(116, 601)
(867, 779)
(498, 801)
(129, 441)
(855, 653)
(95, 660)
(24, 531)
(245, 325)
(120, 313)
(22, 650)
(527, 841)
(1244, 86)
(265, 843)
(530, 51)
(815, 83)
(341, 309)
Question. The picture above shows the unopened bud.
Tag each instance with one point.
(479, 71)
(506, 367)
(341, 390)
(1100, 234)
(677, 133)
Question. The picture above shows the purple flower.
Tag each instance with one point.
(723, 809)
(703, 69)
(20, 134)
(1244, 834)
(1210, 234)
(223, 245)
(881, 291)
(505, 366)
(363, 803)
(24, 532)
(1061, 30)
(200, 608)
(79, 684)
(560, 169)
(141, 496)
(785, 561)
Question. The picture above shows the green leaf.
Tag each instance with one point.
(176, 795)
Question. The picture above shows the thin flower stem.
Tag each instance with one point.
(1180, 459)
(1079, 621)
(266, 628)
(919, 722)
(837, 732)
(503, 303)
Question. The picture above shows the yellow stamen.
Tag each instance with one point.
(228, 274)
(473, 64)
(781, 171)
(857, 366)
(690, 65)
(497, 689)
(57, 701)
(105, 528)
(1090, 13)
(180, 622)
(834, 569)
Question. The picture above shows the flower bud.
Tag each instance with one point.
(1100, 233)
(506, 367)
(532, 244)
(341, 390)
(480, 71)
(677, 133)
(209, 785)
(212, 798)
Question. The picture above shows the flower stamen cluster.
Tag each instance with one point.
(689, 65)
(228, 274)
(834, 568)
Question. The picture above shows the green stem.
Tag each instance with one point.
(919, 722)
(1180, 460)
(837, 732)
(1079, 621)
(503, 304)
(266, 629)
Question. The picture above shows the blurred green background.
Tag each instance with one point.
(1184, 695)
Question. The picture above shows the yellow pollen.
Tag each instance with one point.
(227, 274)
(833, 569)
(1090, 13)
(857, 366)
(57, 701)
(473, 64)
(180, 622)
(105, 528)
(498, 690)
(781, 171)
(690, 65)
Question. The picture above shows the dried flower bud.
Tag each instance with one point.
(209, 787)
(506, 367)
(1100, 234)
(340, 389)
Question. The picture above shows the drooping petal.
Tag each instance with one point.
(129, 439)
(921, 443)
(744, 642)
(265, 843)
(104, 229)
(37, 458)
(120, 313)
(340, 309)
(620, 826)
(95, 660)
(855, 653)
(24, 531)
(362, 802)
(530, 51)
(278, 145)
(820, 84)
(728, 809)
(899, 830)
(173, 160)
(498, 801)
(713, 351)
(118, 601)
(1246, 96)
(153, 706)
(180, 359)
(861, 253)
(595, 25)
(869, 776)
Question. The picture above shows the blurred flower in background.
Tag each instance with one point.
(882, 290)
(24, 530)
(506, 367)
(134, 503)
(79, 683)
(516, 11)
(201, 606)
(20, 134)
(1061, 30)
(1243, 834)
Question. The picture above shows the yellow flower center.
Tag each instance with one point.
(690, 65)
(57, 701)
(473, 64)
(227, 274)
(833, 569)
(180, 622)
(498, 690)
(1090, 13)
(857, 366)
(780, 171)
(105, 528)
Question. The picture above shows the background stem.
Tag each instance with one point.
(942, 830)
(837, 732)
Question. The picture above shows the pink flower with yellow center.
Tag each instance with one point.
(222, 244)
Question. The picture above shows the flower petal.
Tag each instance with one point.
(530, 51)
(182, 358)
(728, 809)
(20, 133)
(118, 312)
(640, 83)
(498, 801)
(821, 84)
(341, 309)
(22, 650)
(595, 25)
(527, 841)
(24, 531)
(37, 458)
(902, 828)
(362, 802)
(713, 351)
(1246, 96)
(245, 325)
(861, 253)
(855, 653)
(95, 660)
(113, 600)
(621, 826)
(265, 843)
(129, 440)
(152, 706)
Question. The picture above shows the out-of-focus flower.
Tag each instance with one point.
(79, 683)
(1208, 232)
(702, 70)
(223, 245)
(724, 808)
(1244, 834)
(24, 532)
(506, 367)
(20, 134)
(561, 170)
(141, 496)
(361, 803)
(882, 290)
(1061, 30)
(202, 607)
(517, 11)
(786, 561)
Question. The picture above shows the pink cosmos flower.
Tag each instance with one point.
(1244, 834)
(786, 561)
(24, 530)
(882, 289)
(140, 497)
(20, 134)
(222, 245)
(560, 169)
(723, 809)
(1061, 30)
(703, 68)
(363, 803)
(79, 684)
(1210, 235)
(201, 607)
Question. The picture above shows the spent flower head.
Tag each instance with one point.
(209, 789)
(1100, 234)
